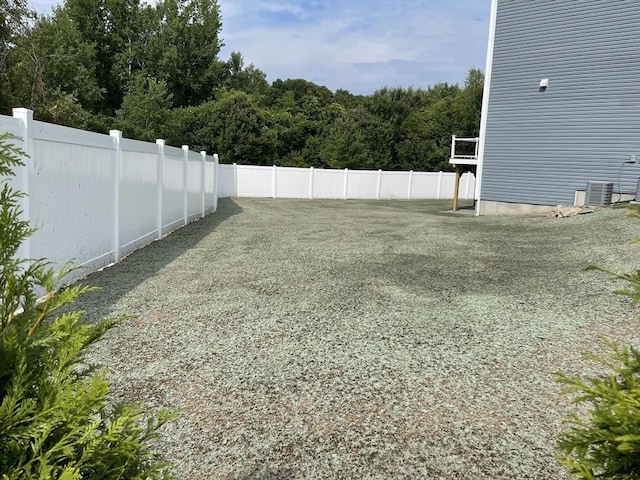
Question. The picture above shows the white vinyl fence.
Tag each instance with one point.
(287, 182)
(96, 198)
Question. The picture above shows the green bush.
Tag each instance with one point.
(55, 418)
(606, 444)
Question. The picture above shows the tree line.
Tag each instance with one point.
(154, 71)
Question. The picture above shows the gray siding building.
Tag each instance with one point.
(540, 145)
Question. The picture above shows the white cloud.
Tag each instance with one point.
(282, 7)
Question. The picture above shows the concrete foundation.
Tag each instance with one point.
(488, 207)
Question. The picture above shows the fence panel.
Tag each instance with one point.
(254, 181)
(72, 196)
(394, 185)
(468, 186)
(173, 196)
(362, 184)
(10, 125)
(94, 198)
(209, 185)
(138, 194)
(226, 181)
(328, 183)
(194, 186)
(447, 183)
(424, 185)
(292, 182)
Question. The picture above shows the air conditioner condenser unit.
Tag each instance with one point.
(598, 194)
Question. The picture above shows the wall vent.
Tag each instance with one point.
(598, 194)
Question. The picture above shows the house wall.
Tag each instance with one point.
(541, 146)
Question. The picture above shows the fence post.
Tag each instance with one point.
(160, 183)
(274, 180)
(26, 118)
(203, 183)
(410, 184)
(185, 184)
(311, 183)
(379, 184)
(346, 183)
(117, 165)
(235, 179)
(215, 181)
(438, 192)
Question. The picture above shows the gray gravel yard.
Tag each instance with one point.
(362, 339)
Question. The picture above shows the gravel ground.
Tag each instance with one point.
(362, 339)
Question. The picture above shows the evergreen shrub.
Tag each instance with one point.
(56, 420)
(605, 443)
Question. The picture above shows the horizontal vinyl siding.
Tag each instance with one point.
(541, 146)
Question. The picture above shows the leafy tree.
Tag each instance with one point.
(249, 79)
(55, 419)
(300, 96)
(417, 150)
(15, 18)
(302, 112)
(345, 145)
(110, 27)
(145, 109)
(57, 58)
(346, 98)
(181, 49)
(234, 126)
(64, 109)
(606, 442)
(467, 105)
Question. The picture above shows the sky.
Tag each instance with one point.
(356, 45)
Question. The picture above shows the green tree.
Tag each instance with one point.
(15, 18)
(55, 420)
(249, 79)
(64, 109)
(110, 27)
(302, 112)
(345, 145)
(467, 105)
(56, 58)
(234, 126)
(145, 109)
(298, 95)
(182, 45)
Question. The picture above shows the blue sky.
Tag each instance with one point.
(358, 45)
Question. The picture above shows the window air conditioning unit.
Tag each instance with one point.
(598, 194)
